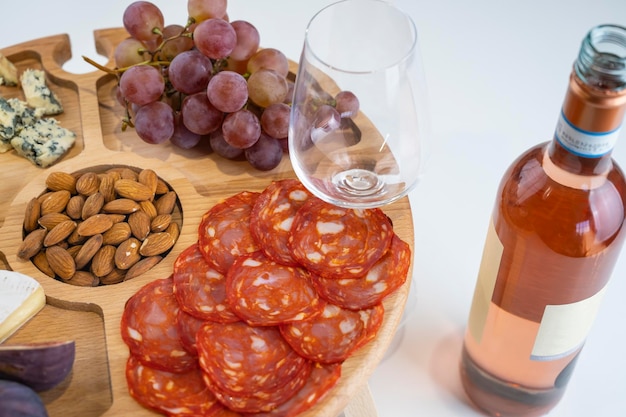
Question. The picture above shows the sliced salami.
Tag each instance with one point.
(241, 359)
(336, 242)
(175, 394)
(265, 293)
(200, 288)
(224, 231)
(262, 400)
(372, 319)
(149, 328)
(329, 337)
(323, 377)
(272, 216)
(188, 326)
(386, 276)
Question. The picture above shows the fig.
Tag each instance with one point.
(40, 366)
(18, 400)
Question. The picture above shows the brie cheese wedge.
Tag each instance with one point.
(21, 298)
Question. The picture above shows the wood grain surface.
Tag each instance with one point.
(91, 316)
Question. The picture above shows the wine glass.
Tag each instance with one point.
(358, 125)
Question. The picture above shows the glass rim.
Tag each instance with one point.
(406, 56)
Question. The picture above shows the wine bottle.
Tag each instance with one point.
(556, 231)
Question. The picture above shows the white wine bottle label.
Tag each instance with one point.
(584, 143)
(564, 327)
(487, 276)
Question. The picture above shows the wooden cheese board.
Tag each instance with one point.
(91, 315)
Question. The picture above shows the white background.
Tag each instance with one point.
(497, 72)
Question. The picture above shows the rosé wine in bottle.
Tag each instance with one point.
(555, 233)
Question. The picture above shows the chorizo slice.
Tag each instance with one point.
(264, 293)
(329, 337)
(175, 394)
(149, 328)
(386, 276)
(272, 216)
(261, 400)
(322, 379)
(188, 327)
(243, 360)
(200, 288)
(224, 230)
(336, 242)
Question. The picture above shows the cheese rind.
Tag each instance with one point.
(37, 93)
(8, 72)
(43, 142)
(21, 298)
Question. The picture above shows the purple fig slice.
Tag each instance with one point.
(19, 400)
(40, 366)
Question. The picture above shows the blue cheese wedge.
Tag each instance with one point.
(37, 93)
(21, 298)
(8, 72)
(43, 142)
(14, 115)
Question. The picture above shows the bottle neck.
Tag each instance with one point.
(588, 128)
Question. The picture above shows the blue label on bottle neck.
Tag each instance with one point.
(582, 142)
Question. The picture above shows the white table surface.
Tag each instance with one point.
(497, 72)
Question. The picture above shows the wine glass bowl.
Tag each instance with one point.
(358, 128)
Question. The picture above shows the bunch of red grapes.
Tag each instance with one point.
(207, 80)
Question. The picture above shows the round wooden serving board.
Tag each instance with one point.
(91, 316)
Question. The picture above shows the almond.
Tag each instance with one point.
(76, 238)
(148, 207)
(133, 190)
(127, 253)
(142, 267)
(50, 220)
(57, 181)
(174, 230)
(74, 207)
(61, 262)
(31, 215)
(88, 250)
(127, 173)
(83, 279)
(139, 223)
(54, 201)
(148, 178)
(103, 261)
(156, 244)
(121, 206)
(114, 277)
(93, 205)
(32, 243)
(160, 223)
(107, 188)
(98, 223)
(162, 187)
(116, 218)
(59, 233)
(165, 204)
(41, 262)
(118, 233)
(88, 183)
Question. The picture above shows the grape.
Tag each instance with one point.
(241, 129)
(248, 40)
(176, 43)
(215, 38)
(201, 10)
(227, 91)
(129, 52)
(142, 84)
(240, 67)
(326, 119)
(265, 154)
(143, 21)
(183, 137)
(347, 104)
(269, 58)
(199, 115)
(154, 122)
(275, 120)
(266, 87)
(223, 148)
(190, 71)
